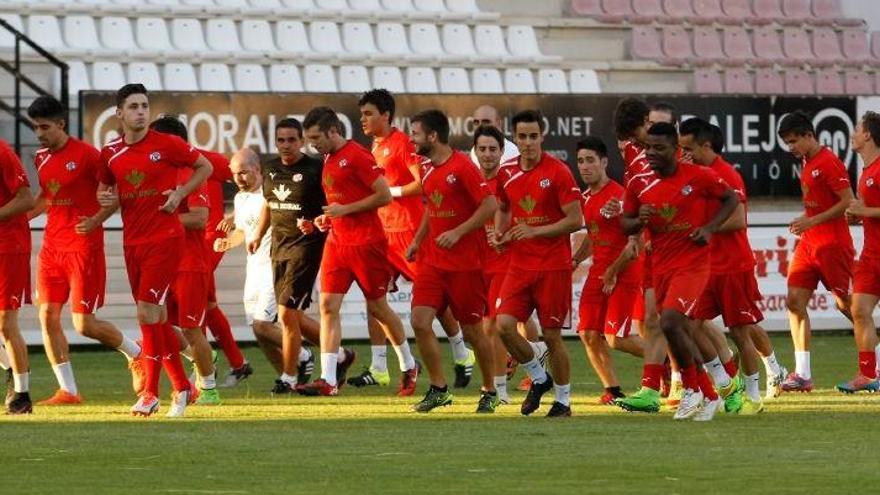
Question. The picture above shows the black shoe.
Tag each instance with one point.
(464, 371)
(367, 378)
(433, 399)
(10, 388)
(305, 369)
(533, 399)
(559, 410)
(488, 402)
(342, 368)
(238, 375)
(20, 404)
(282, 388)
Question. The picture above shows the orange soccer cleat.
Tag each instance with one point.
(61, 398)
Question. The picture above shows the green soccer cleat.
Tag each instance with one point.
(208, 397)
(433, 399)
(488, 402)
(733, 395)
(750, 408)
(645, 400)
(464, 370)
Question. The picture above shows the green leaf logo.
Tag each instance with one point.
(593, 228)
(436, 198)
(668, 212)
(528, 204)
(53, 186)
(328, 181)
(135, 178)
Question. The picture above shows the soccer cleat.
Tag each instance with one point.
(796, 383)
(407, 385)
(512, 365)
(708, 409)
(208, 397)
(464, 370)
(283, 388)
(61, 398)
(646, 400)
(433, 399)
(859, 383)
(750, 408)
(691, 402)
(733, 395)
(774, 384)
(504, 400)
(10, 388)
(559, 410)
(606, 400)
(138, 374)
(369, 377)
(194, 378)
(305, 369)
(533, 399)
(20, 404)
(675, 392)
(238, 375)
(488, 402)
(146, 405)
(319, 387)
(179, 401)
(525, 384)
(342, 368)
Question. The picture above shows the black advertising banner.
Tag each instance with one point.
(225, 122)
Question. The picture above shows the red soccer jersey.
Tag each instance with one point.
(821, 178)
(220, 174)
(869, 192)
(142, 172)
(493, 260)
(454, 190)
(347, 177)
(195, 249)
(682, 203)
(15, 234)
(606, 235)
(731, 251)
(395, 153)
(536, 197)
(69, 180)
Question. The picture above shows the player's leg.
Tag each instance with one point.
(673, 324)
(618, 324)
(799, 322)
(647, 398)
(467, 295)
(422, 320)
(17, 349)
(58, 353)
(291, 343)
(218, 324)
(596, 348)
(377, 372)
(866, 293)
(776, 373)
(330, 305)
(741, 335)
(499, 358)
(268, 337)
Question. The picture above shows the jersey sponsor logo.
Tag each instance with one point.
(155, 157)
(545, 183)
(281, 192)
(667, 212)
(528, 204)
(135, 178)
(297, 177)
(53, 186)
(436, 198)
(284, 206)
(70, 166)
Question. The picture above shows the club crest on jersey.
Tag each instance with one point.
(297, 177)
(155, 157)
(451, 179)
(687, 190)
(70, 166)
(545, 183)
(869, 182)
(815, 173)
(386, 152)
(343, 163)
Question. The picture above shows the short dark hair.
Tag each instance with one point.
(629, 115)
(717, 139)
(700, 129)
(382, 99)
(169, 124)
(527, 116)
(665, 107)
(323, 117)
(47, 107)
(433, 121)
(798, 123)
(666, 130)
(871, 123)
(128, 90)
(593, 143)
(289, 123)
(490, 131)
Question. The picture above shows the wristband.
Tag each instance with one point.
(396, 191)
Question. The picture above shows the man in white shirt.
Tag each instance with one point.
(488, 115)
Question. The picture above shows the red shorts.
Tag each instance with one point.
(398, 243)
(608, 313)
(493, 283)
(15, 281)
(188, 301)
(548, 292)
(462, 292)
(638, 311)
(152, 268)
(733, 296)
(78, 276)
(367, 265)
(866, 277)
(680, 291)
(831, 264)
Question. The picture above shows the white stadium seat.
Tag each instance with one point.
(434, 6)
(425, 40)
(389, 78)
(222, 36)
(267, 5)
(489, 40)
(332, 5)
(45, 31)
(519, 81)
(584, 81)
(319, 79)
(250, 77)
(521, 41)
(353, 79)
(487, 81)
(77, 78)
(180, 77)
(365, 5)
(454, 80)
(186, 34)
(470, 8)
(145, 73)
(402, 6)
(324, 37)
(80, 32)
(552, 81)
(107, 75)
(298, 5)
(421, 80)
(391, 39)
(152, 33)
(285, 79)
(457, 39)
(358, 38)
(256, 36)
(116, 33)
(291, 38)
(215, 77)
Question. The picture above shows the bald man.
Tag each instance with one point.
(489, 115)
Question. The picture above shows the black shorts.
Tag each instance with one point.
(294, 278)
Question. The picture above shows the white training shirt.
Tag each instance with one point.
(510, 152)
(248, 207)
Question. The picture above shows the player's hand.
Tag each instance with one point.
(108, 198)
(612, 208)
(447, 239)
(856, 209)
(173, 201)
(646, 212)
(632, 247)
(85, 225)
(701, 236)
(307, 227)
(496, 240)
(226, 225)
(322, 223)
(800, 224)
(609, 281)
(411, 251)
(221, 245)
(520, 232)
(254, 245)
(335, 210)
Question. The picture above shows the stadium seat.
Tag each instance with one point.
(320, 79)
(707, 45)
(645, 43)
(432, 6)
(587, 8)
(708, 81)
(215, 77)
(357, 37)
(425, 40)
(179, 77)
(519, 81)
(298, 7)
(858, 83)
(795, 12)
(521, 41)
(646, 11)
(831, 10)
(768, 47)
(615, 11)
(391, 39)
(454, 80)
(367, 6)
(799, 82)
(145, 73)
(186, 34)
(152, 33)
(256, 36)
(828, 82)
(796, 45)
(769, 82)
(116, 33)
(737, 46)
(7, 40)
(677, 48)
(489, 40)
(401, 6)
(855, 47)
(45, 31)
(222, 36)
(738, 9)
(470, 8)
(291, 39)
(250, 77)
(354, 79)
(766, 11)
(487, 81)
(679, 10)
(324, 37)
(77, 78)
(107, 76)
(738, 81)
(875, 44)
(336, 6)
(388, 77)
(457, 40)
(421, 80)
(284, 78)
(584, 81)
(709, 11)
(826, 46)
(80, 33)
(552, 81)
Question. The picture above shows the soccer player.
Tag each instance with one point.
(614, 279)
(71, 263)
(15, 277)
(825, 251)
(866, 288)
(144, 166)
(673, 204)
(539, 208)
(397, 157)
(487, 115)
(450, 244)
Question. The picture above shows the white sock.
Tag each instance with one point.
(876, 353)
(771, 364)
(290, 380)
(340, 355)
(802, 364)
(129, 348)
(752, 388)
(4, 358)
(535, 370)
(64, 375)
(501, 387)
(459, 350)
(188, 353)
(380, 358)
(675, 376)
(718, 373)
(404, 356)
(210, 381)
(304, 354)
(21, 382)
(539, 348)
(328, 367)
(563, 394)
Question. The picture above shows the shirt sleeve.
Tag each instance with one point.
(14, 176)
(474, 183)
(366, 169)
(221, 171)
(566, 189)
(631, 199)
(834, 175)
(182, 154)
(734, 180)
(709, 184)
(199, 198)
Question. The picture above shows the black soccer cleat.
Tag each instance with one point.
(342, 368)
(283, 388)
(305, 369)
(559, 410)
(20, 404)
(533, 399)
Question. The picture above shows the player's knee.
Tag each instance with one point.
(861, 312)
(614, 341)
(421, 323)
(506, 325)
(796, 304)
(594, 340)
(670, 323)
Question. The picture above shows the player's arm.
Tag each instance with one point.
(414, 188)
(194, 219)
(201, 171)
(584, 251)
(88, 224)
(858, 209)
(802, 223)
(22, 202)
(418, 238)
(729, 201)
(232, 240)
(737, 220)
(571, 222)
(477, 220)
(262, 228)
(39, 207)
(381, 196)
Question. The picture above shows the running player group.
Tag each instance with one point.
(485, 247)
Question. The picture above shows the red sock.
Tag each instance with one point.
(651, 374)
(731, 368)
(222, 332)
(171, 359)
(151, 350)
(689, 378)
(706, 384)
(868, 364)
